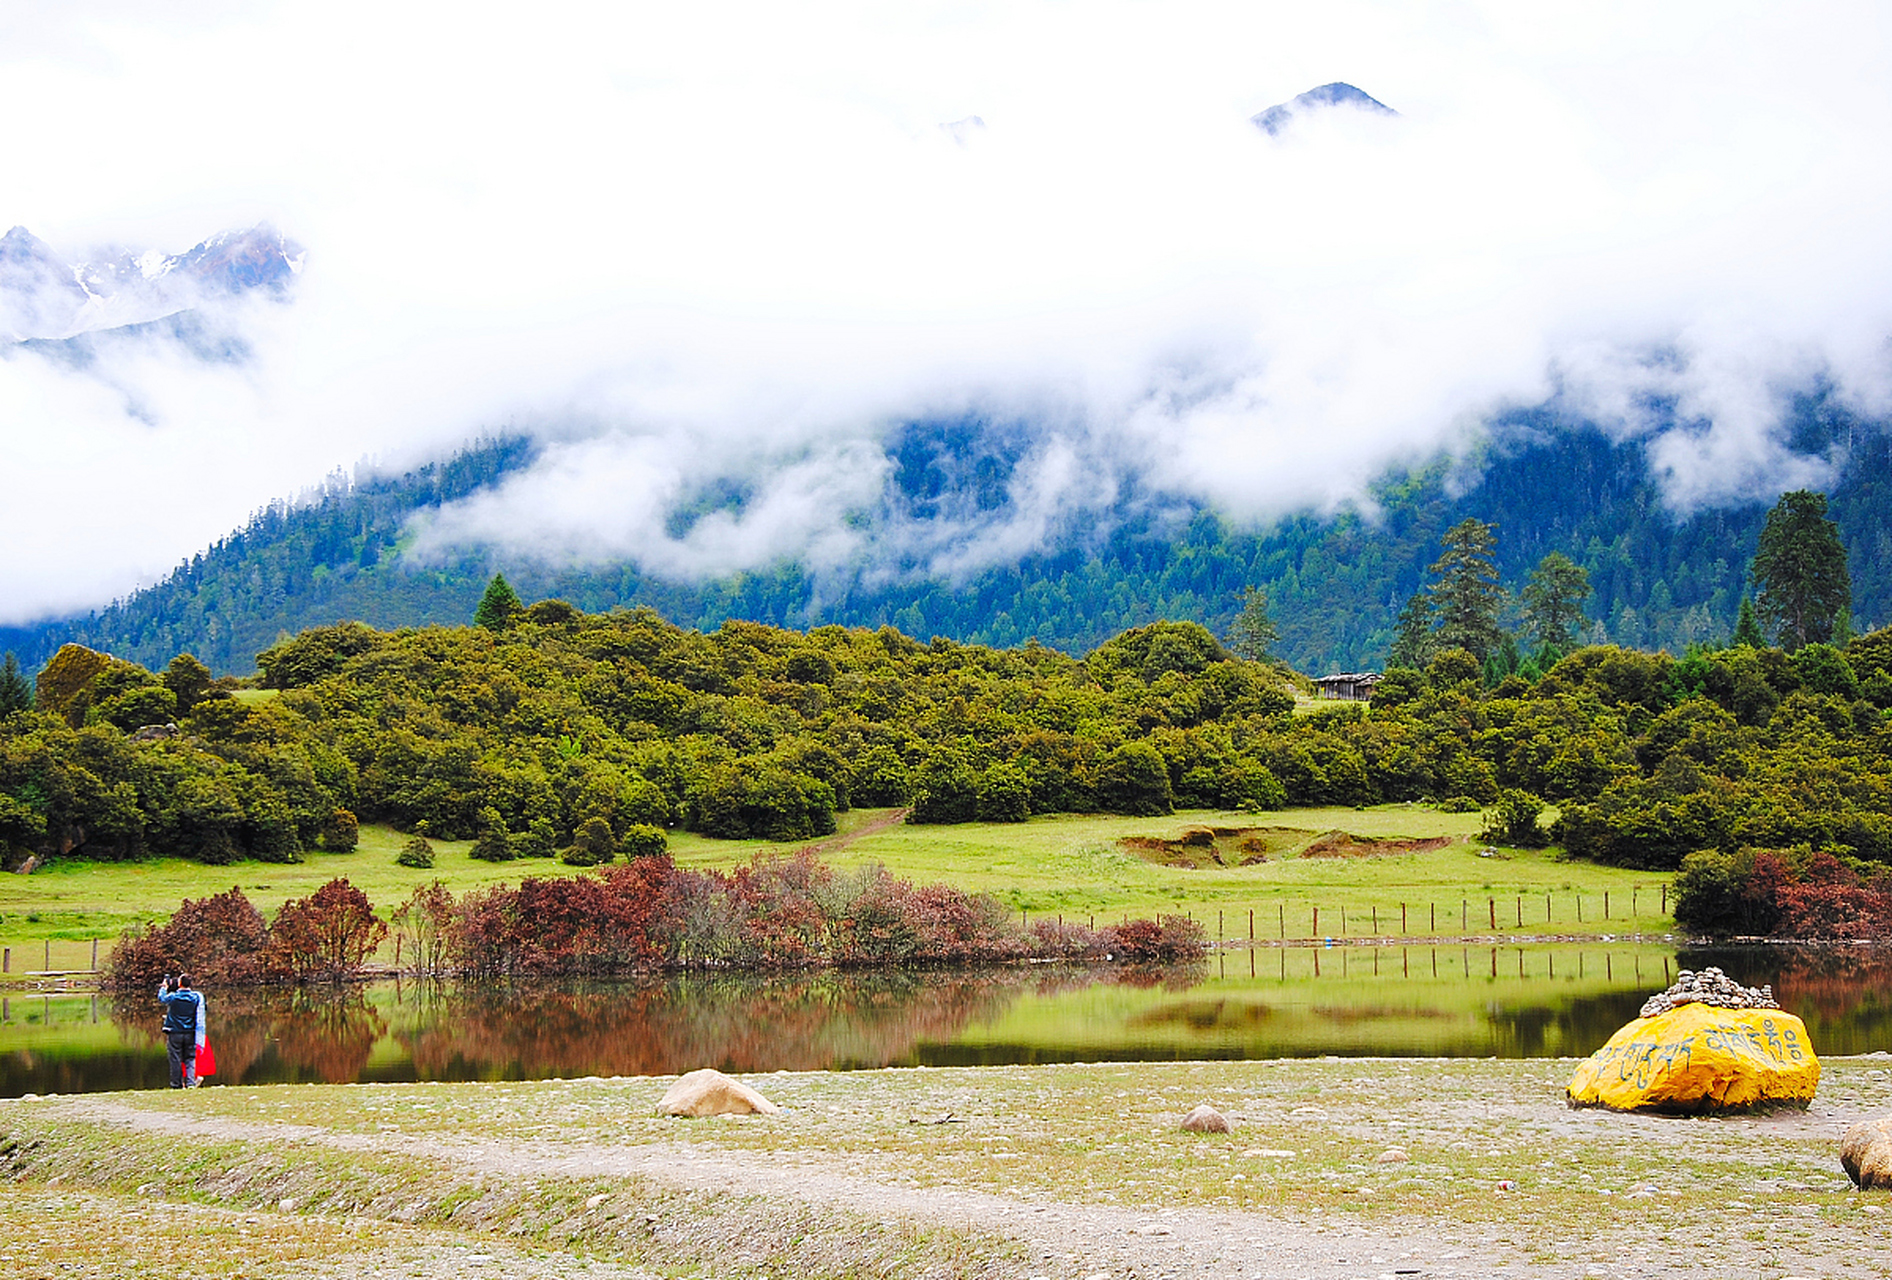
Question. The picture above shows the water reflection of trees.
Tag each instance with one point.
(1843, 994)
(799, 1022)
(322, 1034)
(824, 1019)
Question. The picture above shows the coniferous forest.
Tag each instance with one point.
(1660, 578)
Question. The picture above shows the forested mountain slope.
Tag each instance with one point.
(1334, 583)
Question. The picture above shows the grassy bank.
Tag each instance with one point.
(1075, 866)
(944, 1172)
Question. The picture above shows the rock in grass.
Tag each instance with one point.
(1392, 1155)
(1206, 1119)
(1866, 1154)
(711, 1093)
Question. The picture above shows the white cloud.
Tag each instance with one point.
(732, 242)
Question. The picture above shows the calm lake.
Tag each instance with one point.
(1450, 1001)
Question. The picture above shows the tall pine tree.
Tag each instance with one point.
(1413, 645)
(1553, 600)
(1747, 628)
(1253, 633)
(15, 693)
(499, 607)
(1801, 585)
(1465, 591)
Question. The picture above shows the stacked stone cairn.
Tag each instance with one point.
(1711, 987)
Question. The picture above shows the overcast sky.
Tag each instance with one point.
(701, 241)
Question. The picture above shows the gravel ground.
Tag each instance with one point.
(1594, 1194)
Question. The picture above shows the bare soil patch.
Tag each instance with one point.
(1342, 844)
(1201, 847)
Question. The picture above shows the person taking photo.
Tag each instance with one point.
(183, 1028)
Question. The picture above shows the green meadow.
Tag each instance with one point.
(1075, 866)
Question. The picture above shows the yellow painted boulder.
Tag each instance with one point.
(1701, 1058)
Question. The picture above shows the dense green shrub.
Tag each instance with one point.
(1133, 779)
(1512, 820)
(494, 843)
(642, 840)
(948, 791)
(341, 832)
(560, 718)
(592, 845)
(417, 852)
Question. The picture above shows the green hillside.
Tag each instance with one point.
(555, 727)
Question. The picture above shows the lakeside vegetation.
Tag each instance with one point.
(546, 731)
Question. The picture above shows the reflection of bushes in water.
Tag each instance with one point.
(237, 1027)
(325, 1033)
(329, 1034)
(1582, 1025)
(1830, 983)
(1170, 977)
(804, 1021)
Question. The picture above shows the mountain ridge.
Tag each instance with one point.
(1661, 579)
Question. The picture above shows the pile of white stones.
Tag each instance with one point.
(1711, 986)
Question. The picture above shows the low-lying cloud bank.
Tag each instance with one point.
(723, 257)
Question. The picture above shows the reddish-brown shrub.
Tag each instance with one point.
(1164, 938)
(777, 912)
(1829, 901)
(326, 936)
(219, 941)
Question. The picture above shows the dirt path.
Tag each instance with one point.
(1087, 1240)
(836, 843)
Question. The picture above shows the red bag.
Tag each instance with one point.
(206, 1061)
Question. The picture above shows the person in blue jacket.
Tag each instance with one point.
(183, 1028)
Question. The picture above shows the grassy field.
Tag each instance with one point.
(1070, 865)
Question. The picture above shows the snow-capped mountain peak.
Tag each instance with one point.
(1325, 97)
(44, 296)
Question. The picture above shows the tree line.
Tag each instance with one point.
(545, 723)
(1802, 595)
